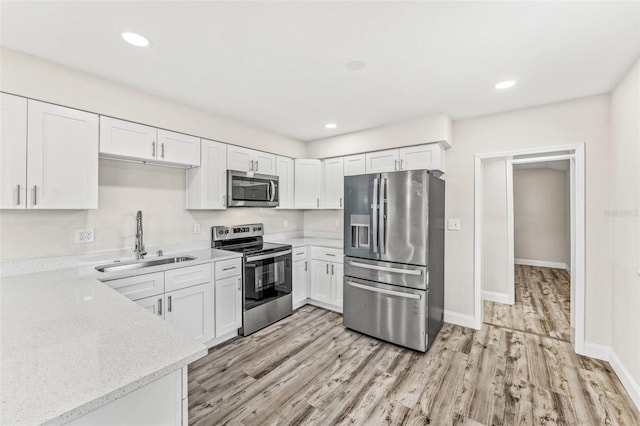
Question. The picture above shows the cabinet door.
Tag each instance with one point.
(228, 305)
(320, 288)
(121, 138)
(381, 161)
(13, 152)
(430, 157)
(333, 184)
(337, 278)
(300, 282)
(354, 165)
(265, 163)
(239, 158)
(154, 304)
(207, 184)
(284, 170)
(62, 159)
(178, 148)
(191, 311)
(308, 184)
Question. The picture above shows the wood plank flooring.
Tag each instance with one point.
(309, 369)
(542, 303)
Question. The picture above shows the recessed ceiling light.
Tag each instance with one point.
(505, 84)
(135, 39)
(354, 65)
(330, 126)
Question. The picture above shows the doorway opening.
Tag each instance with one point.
(497, 240)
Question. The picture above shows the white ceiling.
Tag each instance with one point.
(281, 65)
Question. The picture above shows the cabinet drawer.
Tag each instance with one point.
(140, 286)
(228, 268)
(299, 253)
(176, 279)
(326, 254)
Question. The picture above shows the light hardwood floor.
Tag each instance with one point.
(309, 369)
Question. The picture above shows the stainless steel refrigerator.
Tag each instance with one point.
(394, 256)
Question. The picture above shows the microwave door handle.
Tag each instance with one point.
(374, 215)
(272, 185)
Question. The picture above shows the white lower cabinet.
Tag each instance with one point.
(327, 278)
(228, 305)
(191, 310)
(153, 304)
(300, 277)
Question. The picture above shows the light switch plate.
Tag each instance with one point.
(453, 224)
(196, 228)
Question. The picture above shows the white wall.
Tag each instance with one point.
(125, 188)
(540, 215)
(495, 268)
(625, 222)
(582, 120)
(433, 128)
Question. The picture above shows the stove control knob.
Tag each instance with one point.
(221, 232)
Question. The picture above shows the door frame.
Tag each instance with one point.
(576, 152)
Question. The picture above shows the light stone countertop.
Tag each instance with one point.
(70, 344)
(308, 241)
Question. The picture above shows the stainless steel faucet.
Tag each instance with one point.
(139, 249)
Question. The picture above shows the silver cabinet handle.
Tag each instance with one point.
(251, 167)
(332, 265)
(239, 284)
(374, 215)
(224, 201)
(305, 265)
(18, 197)
(385, 268)
(401, 166)
(340, 201)
(395, 164)
(257, 167)
(162, 150)
(169, 302)
(384, 291)
(327, 268)
(153, 149)
(330, 254)
(159, 307)
(318, 202)
(298, 254)
(228, 268)
(35, 194)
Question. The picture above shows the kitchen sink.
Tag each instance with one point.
(139, 264)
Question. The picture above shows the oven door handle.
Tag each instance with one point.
(384, 291)
(268, 256)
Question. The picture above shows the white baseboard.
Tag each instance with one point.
(597, 351)
(631, 385)
(542, 263)
(460, 319)
(300, 304)
(215, 342)
(325, 305)
(494, 296)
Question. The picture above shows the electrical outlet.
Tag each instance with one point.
(196, 228)
(86, 235)
(285, 223)
(453, 224)
(337, 223)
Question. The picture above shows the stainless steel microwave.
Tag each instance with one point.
(247, 189)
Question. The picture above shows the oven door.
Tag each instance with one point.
(252, 190)
(266, 278)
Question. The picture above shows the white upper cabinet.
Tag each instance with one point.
(308, 187)
(284, 170)
(62, 161)
(430, 157)
(333, 183)
(207, 184)
(13, 152)
(121, 138)
(249, 160)
(354, 165)
(178, 148)
(381, 161)
(125, 139)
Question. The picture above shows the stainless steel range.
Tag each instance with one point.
(266, 290)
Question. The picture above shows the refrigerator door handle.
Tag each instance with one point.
(384, 291)
(382, 211)
(385, 268)
(374, 215)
